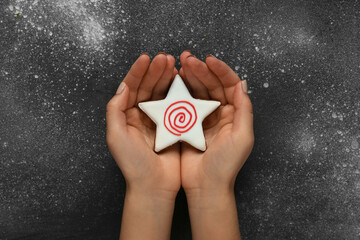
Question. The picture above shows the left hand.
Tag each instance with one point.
(130, 133)
(152, 180)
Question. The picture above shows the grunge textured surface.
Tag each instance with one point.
(62, 60)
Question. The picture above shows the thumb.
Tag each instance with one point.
(115, 112)
(243, 115)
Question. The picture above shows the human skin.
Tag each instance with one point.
(208, 177)
(152, 179)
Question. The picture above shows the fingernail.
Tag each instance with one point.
(187, 51)
(161, 53)
(190, 56)
(244, 86)
(209, 55)
(145, 53)
(121, 88)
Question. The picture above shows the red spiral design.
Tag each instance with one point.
(180, 117)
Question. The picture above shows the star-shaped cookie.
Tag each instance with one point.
(179, 117)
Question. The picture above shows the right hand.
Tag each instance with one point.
(228, 131)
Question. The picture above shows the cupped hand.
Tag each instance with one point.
(228, 131)
(131, 134)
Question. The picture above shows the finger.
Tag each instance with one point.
(182, 75)
(115, 111)
(161, 87)
(209, 79)
(175, 72)
(243, 115)
(134, 77)
(152, 76)
(198, 88)
(227, 76)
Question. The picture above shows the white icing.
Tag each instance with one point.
(179, 117)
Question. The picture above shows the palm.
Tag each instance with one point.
(141, 135)
(198, 166)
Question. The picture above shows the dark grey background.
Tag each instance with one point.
(62, 60)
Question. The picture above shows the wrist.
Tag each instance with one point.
(210, 189)
(213, 213)
(210, 198)
(150, 195)
(147, 214)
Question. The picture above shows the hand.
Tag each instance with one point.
(228, 132)
(131, 134)
(208, 177)
(152, 180)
